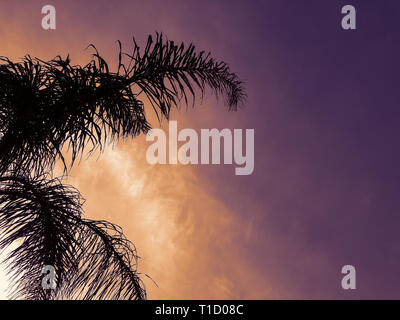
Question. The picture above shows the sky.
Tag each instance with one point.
(323, 102)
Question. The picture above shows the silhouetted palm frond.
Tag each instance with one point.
(46, 105)
(43, 221)
(166, 71)
(105, 265)
(28, 138)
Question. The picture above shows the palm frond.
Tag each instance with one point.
(27, 134)
(43, 220)
(106, 270)
(47, 105)
(166, 72)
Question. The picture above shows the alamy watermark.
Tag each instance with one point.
(200, 149)
(49, 280)
(349, 280)
(49, 18)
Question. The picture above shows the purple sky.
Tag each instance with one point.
(324, 104)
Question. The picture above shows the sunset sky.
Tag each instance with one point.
(324, 105)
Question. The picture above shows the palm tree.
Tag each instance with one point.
(46, 106)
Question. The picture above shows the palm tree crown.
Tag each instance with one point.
(48, 105)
